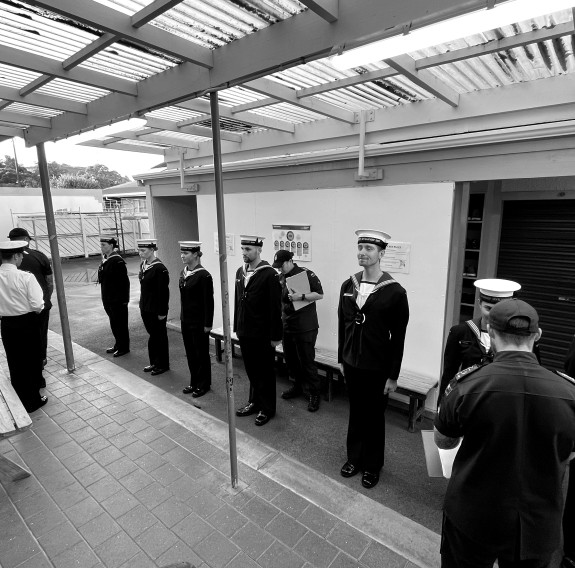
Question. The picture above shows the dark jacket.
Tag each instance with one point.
(570, 360)
(113, 280)
(257, 312)
(197, 298)
(39, 265)
(373, 338)
(155, 288)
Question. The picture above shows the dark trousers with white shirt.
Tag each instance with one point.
(22, 340)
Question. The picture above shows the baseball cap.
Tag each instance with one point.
(281, 257)
(17, 232)
(502, 313)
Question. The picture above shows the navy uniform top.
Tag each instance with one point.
(373, 337)
(154, 287)
(39, 265)
(113, 279)
(257, 310)
(570, 361)
(304, 319)
(517, 420)
(197, 297)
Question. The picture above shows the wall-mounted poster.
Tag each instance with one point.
(230, 244)
(295, 238)
(396, 258)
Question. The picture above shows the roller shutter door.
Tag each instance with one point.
(537, 249)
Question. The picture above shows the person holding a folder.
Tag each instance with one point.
(301, 289)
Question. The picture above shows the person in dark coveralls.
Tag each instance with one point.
(39, 265)
(154, 303)
(299, 330)
(569, 512)
(21, 300)
(258, 325)
(468, 343)
(504, 500)
(197, 316)
(115, 288)
(373, 313)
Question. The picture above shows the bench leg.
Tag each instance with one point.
(218, 343)
(412, 414)
(11, 470)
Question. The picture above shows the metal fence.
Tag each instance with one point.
(79, 233)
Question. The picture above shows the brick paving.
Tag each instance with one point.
(115, 483)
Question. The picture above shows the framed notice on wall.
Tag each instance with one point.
(295, 238)
(230, 244)
(396, 258)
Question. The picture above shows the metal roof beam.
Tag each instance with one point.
(268, 101)
(91, 49)
(152, 11)
(347, 82)
(153, 138)
(46, 66)
(405, 65)
(45, 101)
(35, 84)
(4, 104)
(193, 130)
(11, 132)
(286, 95)
(25, 119)
(103, 18)
(326, 9)
(124, 147)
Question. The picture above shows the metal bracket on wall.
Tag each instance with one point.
(369, 174)
(364, 116)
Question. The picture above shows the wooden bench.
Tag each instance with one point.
(416, 387)
(13, 420)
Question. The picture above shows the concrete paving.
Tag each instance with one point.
(124, 474)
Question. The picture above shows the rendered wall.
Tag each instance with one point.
(419, 214)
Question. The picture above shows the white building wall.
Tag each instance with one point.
(419, 214)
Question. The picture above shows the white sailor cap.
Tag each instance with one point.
(494, 290)
(110, 239)
(252, 240)
(12, 246)
(373, 237)
(147, 243)
(190, 246)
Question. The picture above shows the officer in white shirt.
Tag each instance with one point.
(21, 300)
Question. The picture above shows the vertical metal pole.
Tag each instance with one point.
(56, 264)
(83, 231)
(121, 225)
(361, 167)
(216, 140)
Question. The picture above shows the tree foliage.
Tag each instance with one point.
(97, 176)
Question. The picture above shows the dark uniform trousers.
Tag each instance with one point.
(197, 346)
(299, 353)
(23, 345)
(569, 516)
(459, 551)
(158, 350)
(118, 316)
(366, 430)
(259, 358)
(43, 320)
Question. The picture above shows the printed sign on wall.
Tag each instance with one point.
(295, 238)
(396, 258)
(230, 244)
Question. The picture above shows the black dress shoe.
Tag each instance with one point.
(199, 392)
(188, 390)
(111, 350)
(349, 470)
(120, 353)
(159, 371)
(292, 392)
(567, 562)
(262, 419)
(43, 401)
(249, 408)
(369, 480)
(313, 404)
(148, 368)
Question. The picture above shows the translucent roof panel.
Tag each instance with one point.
(16, 77)
(72, 91)
(32, 110)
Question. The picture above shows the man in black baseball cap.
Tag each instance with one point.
(504, 500)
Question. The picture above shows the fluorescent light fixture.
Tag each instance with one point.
(110, 130)
(484, 20)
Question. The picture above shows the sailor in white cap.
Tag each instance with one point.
(21, 300)
(373, 314)
(115, 288)
(258, 325)
(154, 303)
(468, 343)
(197, 316)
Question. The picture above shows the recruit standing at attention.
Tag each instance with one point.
(197, 316)
(468, 343)
(154, 303)
(373, 313)
(115, 289)
(300, 327)
(38, 264)
(20, 303)
(258, 325)
(504, 500)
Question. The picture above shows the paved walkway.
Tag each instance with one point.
(126, 475)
